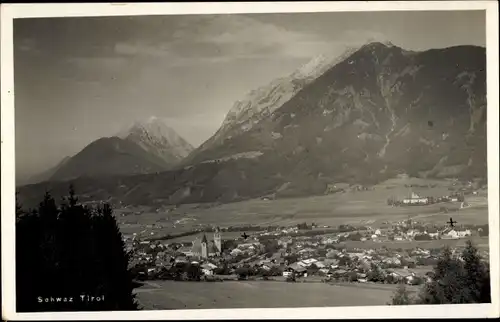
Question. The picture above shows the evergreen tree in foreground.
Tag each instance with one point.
(71, 258)
(455, 281)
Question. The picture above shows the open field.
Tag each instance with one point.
(159, 295)
(363, 207)
(225, 235)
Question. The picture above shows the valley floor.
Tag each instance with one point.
(355, 208)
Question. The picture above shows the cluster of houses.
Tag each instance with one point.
(359, 266)
(401, 231)
(302, 256)
(414, 199)
(433, 233)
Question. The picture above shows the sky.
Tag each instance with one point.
(80, 79)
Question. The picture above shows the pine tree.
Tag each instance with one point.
(28, 259)
(444, 264)
(456, 281)
(52, 263)
(74, 231)
(113, 260)
(476, 277)
(69, 251)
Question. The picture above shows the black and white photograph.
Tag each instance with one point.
(264, 159)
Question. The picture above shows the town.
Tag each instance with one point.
(304, 252)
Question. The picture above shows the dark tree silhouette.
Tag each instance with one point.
(194, 272)
(271, 246)
(448, 285)
(454, 281)
(477, 276)
(71, 258)
(375, 274)
(113, 260)
(243, 272)
(292, 258)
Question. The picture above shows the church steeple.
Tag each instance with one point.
(204, 247)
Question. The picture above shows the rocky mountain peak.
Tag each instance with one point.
(154, 135)
(261, 103)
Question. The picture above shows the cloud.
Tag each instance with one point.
(108, 62)
(213, 39)
(218, 39)
(138, 48)
(244, 35)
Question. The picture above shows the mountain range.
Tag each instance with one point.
(147, 146)
(375, 112)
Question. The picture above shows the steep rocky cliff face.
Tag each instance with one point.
(262, 102)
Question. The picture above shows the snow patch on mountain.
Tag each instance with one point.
(312, 68)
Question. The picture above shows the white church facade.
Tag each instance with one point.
(415, 199)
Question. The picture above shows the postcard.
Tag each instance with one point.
(235, 160)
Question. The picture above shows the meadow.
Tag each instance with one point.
(226, 235)
(162, 295)
(354, 207)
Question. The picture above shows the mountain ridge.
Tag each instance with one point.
(366, 119)
(146, 146)
(263, 101)
(108, 156)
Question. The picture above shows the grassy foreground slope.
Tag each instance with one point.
(258, 294)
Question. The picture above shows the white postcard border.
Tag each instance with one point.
(12, 11)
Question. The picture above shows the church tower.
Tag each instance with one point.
(218, 240)
(204, 247)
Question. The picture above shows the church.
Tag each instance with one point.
(205, 249)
